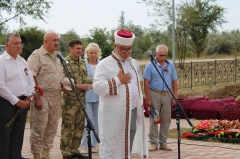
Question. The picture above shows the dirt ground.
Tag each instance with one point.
(224, 91)
(230, 91)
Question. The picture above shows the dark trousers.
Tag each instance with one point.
(11, 139)
(133, 127)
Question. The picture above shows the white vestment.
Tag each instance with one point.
(114, 113)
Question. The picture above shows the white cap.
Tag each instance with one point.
(124, 37)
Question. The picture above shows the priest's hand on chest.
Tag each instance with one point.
(124, 78)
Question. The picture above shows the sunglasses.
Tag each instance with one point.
(162, 55)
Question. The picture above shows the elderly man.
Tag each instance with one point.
(47, 73)
(120, 113)
(157, 95)
(16, 83)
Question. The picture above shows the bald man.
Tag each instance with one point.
(44, 113)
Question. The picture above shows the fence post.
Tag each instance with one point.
(215, 75)
(191, 75)
(235, 72)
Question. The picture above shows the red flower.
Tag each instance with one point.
(155, 115)
(148, 111)
(37, 90)
(230, 136)
(158, 121)
(165, 69)
(26, 71)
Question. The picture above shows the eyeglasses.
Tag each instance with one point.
(162, 55)
(124, 49)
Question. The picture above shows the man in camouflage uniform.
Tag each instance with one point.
(48, 73)
(72, 115)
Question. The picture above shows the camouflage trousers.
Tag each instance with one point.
(44, 122)
(72, 126)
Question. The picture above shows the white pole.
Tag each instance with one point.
(173, 32)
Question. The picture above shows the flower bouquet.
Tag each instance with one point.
(37, 90)
(155, 115)
(220, 130)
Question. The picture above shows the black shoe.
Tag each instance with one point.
(79, 156)
(68, 157)
(23, 157)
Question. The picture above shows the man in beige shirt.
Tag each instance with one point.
(48, 73)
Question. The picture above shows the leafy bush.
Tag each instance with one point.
(34, 41)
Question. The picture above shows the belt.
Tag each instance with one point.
(160, 92)
(22, 97)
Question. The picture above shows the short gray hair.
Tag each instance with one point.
(9, 35)
(161, 46)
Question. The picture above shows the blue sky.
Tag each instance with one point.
(83, 15)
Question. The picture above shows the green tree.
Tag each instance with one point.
(160, 37)
(122, 23)
(19, 9)
(64, 40)
(141, 43)
(222, 43)
(182, 35)
(203, 16)
(195, 18)
(236, 40)
(34, 41)
(161, 9)
(103, 38)
(3, 32)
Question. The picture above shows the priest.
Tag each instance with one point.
(120, 115)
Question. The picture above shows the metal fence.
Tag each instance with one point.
(207, 73)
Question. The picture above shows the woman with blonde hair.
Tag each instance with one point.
(92, 57)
